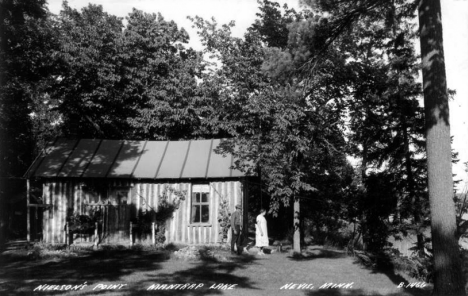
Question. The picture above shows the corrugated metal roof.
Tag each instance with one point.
(90, 158)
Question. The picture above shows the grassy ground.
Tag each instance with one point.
(141, 268)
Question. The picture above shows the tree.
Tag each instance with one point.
(275, 120)
(448, 274)
(366, 75)
(160, 75)
(137, 81)
(28, 40)
(386, 121)
(88, 89)
(448, 277)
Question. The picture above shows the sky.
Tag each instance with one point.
(454, 21)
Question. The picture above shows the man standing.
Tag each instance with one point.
(236, 226)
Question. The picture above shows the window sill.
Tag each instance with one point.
(200, 225)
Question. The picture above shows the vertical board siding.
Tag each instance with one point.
(228, 191)
(76, 199)
(213, 215)
(180, 221)
(215, 198)
(187, 207)
(56, 221)
(172, 227)
(53, 210)
(63, 211)
(46, 216)
(50, 234)
(68, 197)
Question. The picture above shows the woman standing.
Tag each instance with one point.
(261, 232)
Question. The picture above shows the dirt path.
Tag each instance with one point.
(145, 273)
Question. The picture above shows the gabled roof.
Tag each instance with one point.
(92, 158)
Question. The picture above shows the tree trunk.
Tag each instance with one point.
(410, 182)
(3, 221)
(448, 277)
(297, 230)
(415, 200)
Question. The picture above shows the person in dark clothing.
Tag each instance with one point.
(236, 226)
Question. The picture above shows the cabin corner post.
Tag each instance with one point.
(28, 218)
(245, 204)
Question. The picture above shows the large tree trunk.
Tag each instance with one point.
(297, 225)
(410, 182)
(448, 277)
(3, 220)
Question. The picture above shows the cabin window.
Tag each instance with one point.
(200, 204)
(94, 193)
(120, 196)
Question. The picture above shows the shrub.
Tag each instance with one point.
(420, 268)
(83, 224)
(164, 212)
(42, 250)
(416, 267)
(224, 219)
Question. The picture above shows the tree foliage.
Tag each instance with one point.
(274, 127)
(27, 41)
(118, 81)
(293, 98)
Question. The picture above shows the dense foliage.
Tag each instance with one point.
(169, 201)
(294, 98)
(290, 127)
(133, 81)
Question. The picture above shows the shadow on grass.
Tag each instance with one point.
(20, 276)
(209, 272)
(20, 273)
(316, 253)
(397, 279)
(360, 292)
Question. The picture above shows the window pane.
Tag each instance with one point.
(196, 214)
(205, 197)
(122, 197)
(197, 197)
(205, 209)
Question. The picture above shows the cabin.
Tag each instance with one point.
(121, 184)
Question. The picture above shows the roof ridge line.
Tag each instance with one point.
(43, 155)
(138, 160)
(185, 160)
(115, 158)
(68, 157)
(209, 158)
(91, 159)
(162, 159)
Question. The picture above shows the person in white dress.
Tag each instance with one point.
(261, 232)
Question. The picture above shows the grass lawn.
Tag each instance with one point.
(136, 270)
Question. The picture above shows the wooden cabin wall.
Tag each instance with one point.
(179, 228)
(146, 196)
(60, 196)
(68, 196)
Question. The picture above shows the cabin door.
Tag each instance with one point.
(116, 218)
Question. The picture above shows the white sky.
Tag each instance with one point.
(454, 18)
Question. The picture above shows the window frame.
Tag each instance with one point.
(200, 189)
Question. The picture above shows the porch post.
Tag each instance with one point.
(96, 237)
(153, 233)
(67, 234)
(131, 234)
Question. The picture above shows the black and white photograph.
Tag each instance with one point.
(234, 147)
